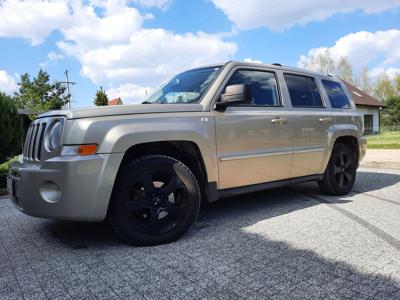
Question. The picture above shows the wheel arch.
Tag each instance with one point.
(188, 152)
(351, 141)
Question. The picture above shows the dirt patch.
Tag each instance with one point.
(382, 158)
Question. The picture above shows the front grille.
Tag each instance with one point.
(34, 140)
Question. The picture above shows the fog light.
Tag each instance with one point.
(50, 191)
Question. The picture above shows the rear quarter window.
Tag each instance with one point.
(303, 91)
(337, 96)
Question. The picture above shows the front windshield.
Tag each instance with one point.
(187, 87)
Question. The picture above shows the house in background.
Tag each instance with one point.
(369, 106)
(116, 101)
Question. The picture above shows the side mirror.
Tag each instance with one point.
(234, 94)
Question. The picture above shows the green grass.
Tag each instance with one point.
(385, 140)
(4, 171)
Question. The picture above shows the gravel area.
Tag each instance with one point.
(284, 243)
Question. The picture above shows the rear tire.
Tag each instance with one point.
(155, 201)
(340, 173)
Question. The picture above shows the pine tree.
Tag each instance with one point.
(101, 98)
(39, 95)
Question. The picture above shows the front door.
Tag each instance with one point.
(254, 140)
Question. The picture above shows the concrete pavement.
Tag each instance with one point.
(285, 243)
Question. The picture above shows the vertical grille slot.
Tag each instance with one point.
(43, 129)
(28, 153)
(26, 146)
(34, 138)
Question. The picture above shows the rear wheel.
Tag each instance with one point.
(156, 200)
(340, 174)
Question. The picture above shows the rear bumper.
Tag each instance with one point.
(66, 188)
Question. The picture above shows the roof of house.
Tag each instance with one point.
(362, 98)
(116, 101)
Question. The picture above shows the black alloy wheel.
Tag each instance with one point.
(340, 173)
(156, 200)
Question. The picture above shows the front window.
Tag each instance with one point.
(263, 86)
(187, 87)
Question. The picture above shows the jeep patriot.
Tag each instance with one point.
(208, 133)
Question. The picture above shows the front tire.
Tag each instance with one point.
(340, 173)
(155, 201)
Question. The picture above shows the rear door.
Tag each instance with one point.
(253, 141)
(310, 121)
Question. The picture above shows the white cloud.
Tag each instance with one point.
(283, 14)
(32, 20)
(52, 59)
(8, 83)
(250, 60)
(379, 50)
(87, 29)
(148, 56)
(162, 4)
(108, 39)
(128, 92)
(390, 72)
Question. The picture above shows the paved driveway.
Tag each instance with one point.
(283, 243)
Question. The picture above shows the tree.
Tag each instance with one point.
(321, 62)
(396, 84)
(101, 98)
(344, 70)
(364, 81)
(39, 95)
(10, 128)
(384, 88)
(391, 112)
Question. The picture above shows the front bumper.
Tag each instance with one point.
(65, 187)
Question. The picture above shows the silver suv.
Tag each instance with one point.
(208, 133)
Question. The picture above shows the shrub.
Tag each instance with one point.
(10, 129)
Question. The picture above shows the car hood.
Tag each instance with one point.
(100, 111)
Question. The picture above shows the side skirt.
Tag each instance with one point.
(256, 187)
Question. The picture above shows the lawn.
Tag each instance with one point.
(385, 140)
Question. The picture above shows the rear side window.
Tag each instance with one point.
(336, 94)
(303, 91)
(263, 85)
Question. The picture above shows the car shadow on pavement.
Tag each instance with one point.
(218, 257)
(80, 235)
(370, 181)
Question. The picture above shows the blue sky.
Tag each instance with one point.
(129, 47)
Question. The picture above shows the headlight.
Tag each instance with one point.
(53, 138)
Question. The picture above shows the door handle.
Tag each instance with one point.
(325, 120)
(279, 121)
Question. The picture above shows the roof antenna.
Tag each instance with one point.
(276, 64)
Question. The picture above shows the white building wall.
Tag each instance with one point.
(374, 111)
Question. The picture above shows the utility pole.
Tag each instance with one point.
(67, 82)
